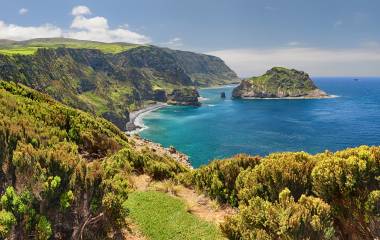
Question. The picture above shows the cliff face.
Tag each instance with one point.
(111, 84)
(204, 70)
(279, 83)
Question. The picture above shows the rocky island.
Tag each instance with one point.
(184, 97)
(279, 82)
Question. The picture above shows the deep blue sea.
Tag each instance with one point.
(221, 128)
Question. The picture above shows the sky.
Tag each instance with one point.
(324, 37)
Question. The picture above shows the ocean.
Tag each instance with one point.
(223, 127)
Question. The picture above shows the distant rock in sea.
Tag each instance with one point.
(279, 82)
(184, 97)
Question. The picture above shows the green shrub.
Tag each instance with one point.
(7, 220)
(307, 218)
(43, 228)
(217, 179)
(330, 195)
(276, 172)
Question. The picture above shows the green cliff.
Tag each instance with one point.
(108, 79)
(279, 82)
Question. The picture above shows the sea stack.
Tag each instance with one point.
(184, 97)
(279, 82)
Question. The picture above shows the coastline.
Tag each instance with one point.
(289, 98)
(135, 124)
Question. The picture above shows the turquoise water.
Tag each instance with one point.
(221, 128)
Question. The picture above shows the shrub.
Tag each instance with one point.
(218, 178)
(43, 228)
(276, 172)
(309, 218)
(7, 220)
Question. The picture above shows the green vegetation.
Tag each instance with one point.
(108, 79)
(278, 82)
(161, 217)
(298, 195)
(218, 177)
(65, 171)
(31, 46)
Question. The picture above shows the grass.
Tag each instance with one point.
(19, 51)
(94, 100)
(161, 216)
(30, 47)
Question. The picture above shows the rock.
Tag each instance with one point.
(160, 95)
(120, 121)
(223, 95)
(279, 82)
(184, 97)
(172, 150)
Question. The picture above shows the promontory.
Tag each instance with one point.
(279, 82)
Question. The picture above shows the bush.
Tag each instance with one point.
(328, 195)
(217, 179)
(7, 220)
(309, 218)
(43, 228)
(276, 172)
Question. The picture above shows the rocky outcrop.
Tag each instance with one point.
(184, 97)
(279, 82)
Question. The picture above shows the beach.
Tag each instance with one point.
(135, 123)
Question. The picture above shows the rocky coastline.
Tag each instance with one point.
(141, 143)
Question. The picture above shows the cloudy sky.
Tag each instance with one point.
(324, 37)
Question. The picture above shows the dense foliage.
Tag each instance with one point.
(298, 195)
(218, 177)
(64, 172)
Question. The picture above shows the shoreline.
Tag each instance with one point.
(289, 98)
(220, 86)
(135, 124)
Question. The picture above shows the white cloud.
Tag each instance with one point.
(80, 10)
(82, 27)
(15, 32)
(316, 61)
(90, 24)
(23, 11)
(97, 29)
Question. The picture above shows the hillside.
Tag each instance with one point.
(68, 174)
(279, 82)
(65, 173)
(108, 79)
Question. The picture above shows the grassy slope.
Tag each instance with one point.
(30, 47)
(161, 216)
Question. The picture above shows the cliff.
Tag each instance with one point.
(279, 82)
(107, 79)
